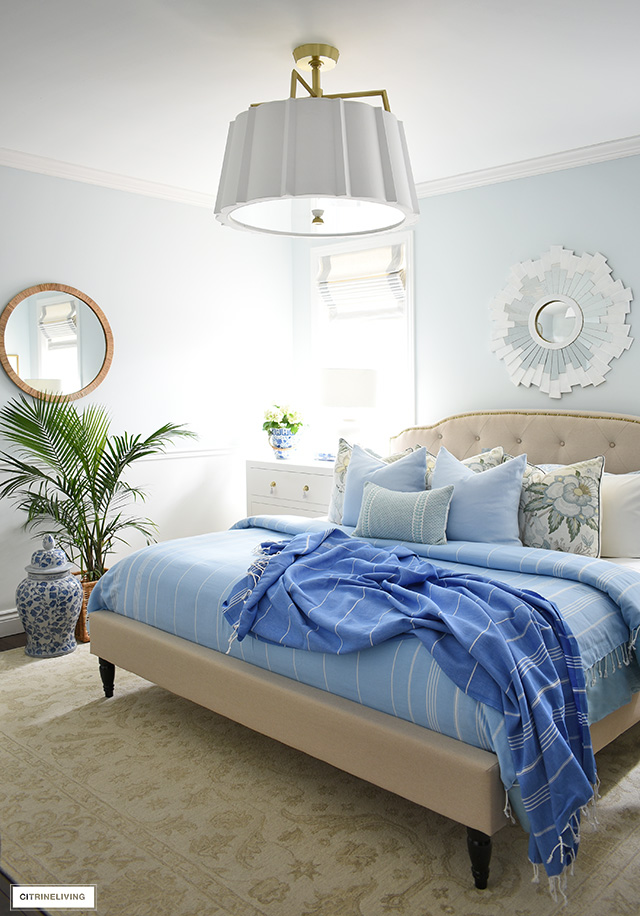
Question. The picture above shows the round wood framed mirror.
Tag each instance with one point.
(55, 342)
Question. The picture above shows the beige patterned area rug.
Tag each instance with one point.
(172, 810)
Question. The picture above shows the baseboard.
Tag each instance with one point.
(10, 623)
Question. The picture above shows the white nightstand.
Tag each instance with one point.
(289, 487)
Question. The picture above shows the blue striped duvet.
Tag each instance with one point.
(179, 586)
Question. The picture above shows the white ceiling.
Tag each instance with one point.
(147, 88)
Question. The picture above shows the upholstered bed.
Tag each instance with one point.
(144, 617)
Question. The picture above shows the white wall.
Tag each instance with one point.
(202, 325)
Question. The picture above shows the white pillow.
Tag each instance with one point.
(620, 510)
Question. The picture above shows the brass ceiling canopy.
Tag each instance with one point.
(317, 57)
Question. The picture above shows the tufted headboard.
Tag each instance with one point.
(547, 436)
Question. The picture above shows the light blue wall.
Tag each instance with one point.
(205, 325)
(188, 300)
(465, 244)
(197, 313)
(464, 247)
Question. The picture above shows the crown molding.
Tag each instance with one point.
(526, 168)
(16, 160)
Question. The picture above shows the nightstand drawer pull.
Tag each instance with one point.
(272, 487)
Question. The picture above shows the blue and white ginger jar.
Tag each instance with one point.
(49, 601)
(282, 441)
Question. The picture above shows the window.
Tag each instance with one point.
(58, 342)
(363, 338)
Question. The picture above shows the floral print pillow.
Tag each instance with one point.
(560, 508)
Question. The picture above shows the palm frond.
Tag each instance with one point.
(67, 475)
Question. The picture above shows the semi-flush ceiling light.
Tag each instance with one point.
(317, 166)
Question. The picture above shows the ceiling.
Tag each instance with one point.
(147, 88)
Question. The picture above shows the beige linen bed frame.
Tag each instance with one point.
(437, 772)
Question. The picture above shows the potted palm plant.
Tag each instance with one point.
(67, 474)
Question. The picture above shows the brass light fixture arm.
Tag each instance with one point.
(315, 56)
(296, 78)
(362, 95)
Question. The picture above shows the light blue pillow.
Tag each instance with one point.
(407, 474)
(417, 517)
(484, 506)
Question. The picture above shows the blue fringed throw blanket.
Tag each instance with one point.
(325, 591)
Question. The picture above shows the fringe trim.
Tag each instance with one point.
(264, 552)
(621, 656)
(233, 637)
(558, 886)
(508, 813)
(558, 883)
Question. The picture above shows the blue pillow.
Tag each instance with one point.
(407, 474)
(417, 517)
(484, 506)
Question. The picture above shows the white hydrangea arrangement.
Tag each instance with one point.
(277, 417)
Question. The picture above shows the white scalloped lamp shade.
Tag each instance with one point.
(286, 159)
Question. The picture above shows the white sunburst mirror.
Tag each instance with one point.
(560, 321)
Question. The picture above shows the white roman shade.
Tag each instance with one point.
(58, 324)
(367, 283)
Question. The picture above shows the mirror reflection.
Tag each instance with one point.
(55, 340)
(559, 322)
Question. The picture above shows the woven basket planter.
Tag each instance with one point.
(82, 633)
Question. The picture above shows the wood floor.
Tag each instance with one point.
(13, 642)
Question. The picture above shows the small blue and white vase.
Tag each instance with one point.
(49, 601)
(282, 441)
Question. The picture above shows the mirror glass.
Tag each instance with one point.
(55, 340)
(558, 322)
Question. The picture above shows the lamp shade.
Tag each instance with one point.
(316, 167)
(349, 388)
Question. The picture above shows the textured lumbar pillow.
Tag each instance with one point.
(417, 517)
(484, 506)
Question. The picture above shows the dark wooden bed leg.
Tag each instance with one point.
(479, 846)
(108, 675)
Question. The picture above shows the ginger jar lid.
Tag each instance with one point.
(49, 558)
